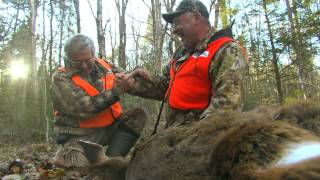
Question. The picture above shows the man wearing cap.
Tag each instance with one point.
(205, 74)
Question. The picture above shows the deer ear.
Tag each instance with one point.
(93, 151)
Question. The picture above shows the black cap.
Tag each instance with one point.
(187, 6)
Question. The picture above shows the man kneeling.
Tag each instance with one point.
(86, 103)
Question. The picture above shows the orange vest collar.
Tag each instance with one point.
(107, 116)
(190, 85)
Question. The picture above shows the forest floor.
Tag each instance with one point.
(18, 159)
(28, 161)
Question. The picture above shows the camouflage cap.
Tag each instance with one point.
(187, 6)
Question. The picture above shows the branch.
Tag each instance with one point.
(147, 6)
(92, 10)
(133, 18)
(118, 5)
(211, 4)
(105, 27)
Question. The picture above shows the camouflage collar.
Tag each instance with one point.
(202, 45)
(71, 72)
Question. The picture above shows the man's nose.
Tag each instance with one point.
(84, 65)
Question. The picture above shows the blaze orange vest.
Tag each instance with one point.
(107, 116)
(190, 86)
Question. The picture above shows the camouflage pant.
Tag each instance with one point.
(71, 154)
(176, 118)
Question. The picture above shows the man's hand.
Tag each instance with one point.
(124, 82)
(140, 72)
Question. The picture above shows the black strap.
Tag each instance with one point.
(158, 118)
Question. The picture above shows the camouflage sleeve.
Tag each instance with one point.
(228, 72)
(154, 88)
(76, 102)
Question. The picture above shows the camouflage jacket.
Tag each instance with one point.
(228, 72)
(73, 104)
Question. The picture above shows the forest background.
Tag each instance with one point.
(281, 38)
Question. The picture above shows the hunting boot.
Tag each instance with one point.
(122, 141)
(128, 129)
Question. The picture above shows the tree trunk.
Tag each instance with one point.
(136, 39)
(33, 4)
(16, 21)
(121, 7)
(216, 14)
(113, 45)
(295, 44)
(62, 21)
(77, 8)
(51, 39)
(43, 74)
(29, 96)
(100, 31)
(157, 33)
(274, 55)
(174, 41)
(45, 102)
(31, 60)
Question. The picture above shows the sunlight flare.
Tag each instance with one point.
(18, 69)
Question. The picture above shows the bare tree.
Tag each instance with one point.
(173, 39)
(157, 32)
(136, 39)
(121, 7)
(216, 14)
(62, 19)
(33, 4)
(100, 29)
(77, 8)
(274, 55)
(113, 43)
(43, 71)
(295, 45)
(51, 38)
(30, 90)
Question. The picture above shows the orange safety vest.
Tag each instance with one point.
(190, 86)
(107, 116)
